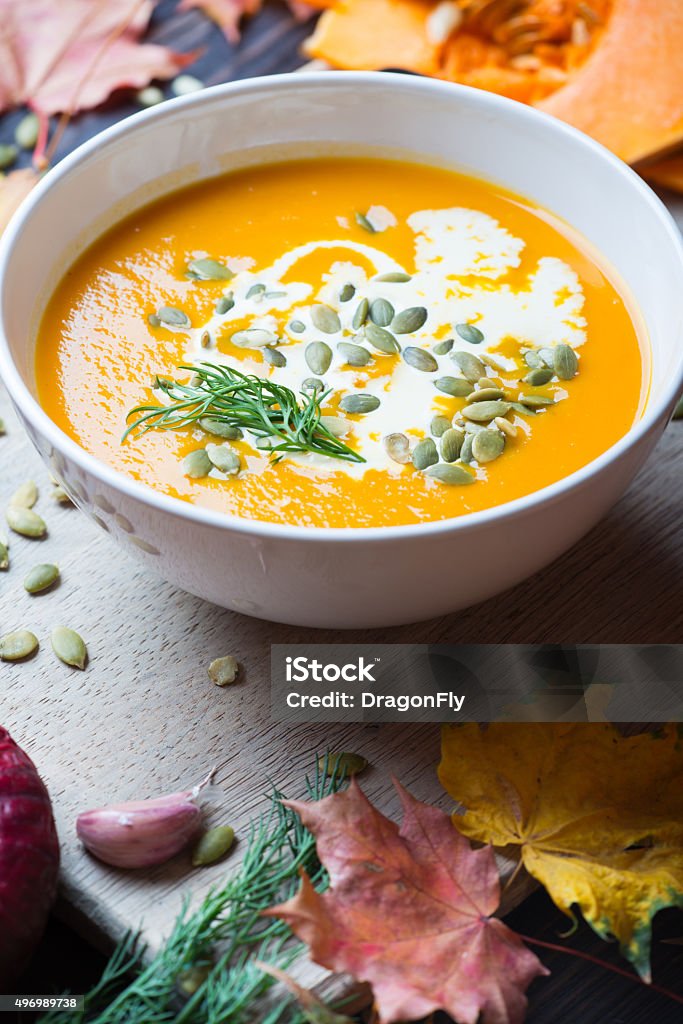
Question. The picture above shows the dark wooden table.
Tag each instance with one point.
(620, 584)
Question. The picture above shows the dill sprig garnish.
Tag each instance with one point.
(226, 931)
(255, 404)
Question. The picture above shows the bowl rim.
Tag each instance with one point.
(315, 81)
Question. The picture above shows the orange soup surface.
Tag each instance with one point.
(350, 342)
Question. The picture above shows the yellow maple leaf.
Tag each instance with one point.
(598, 816)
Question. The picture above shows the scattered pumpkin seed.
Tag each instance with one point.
(297, 326)
(223, 671)
(26, 132)
(424, 454)
(69, 646)
(409, 320)
(419, 359)
(393, 277)
(150, 96)
(354, 355)
(4, 552)
(537, 378)
(466, 450)
(451, 444)
(312, 384)
(336, 425)
(347, 293)
(224, 458)
(274, 357)
(381, 339)
(225, 304)
(171, 316)
(220, 429)
(442, 348)
(470, 366)
(454, 476)
(472, 428)
(256, 289)
(344, 763)
(524, 410)
(25, 496)
(532, 359)
(381, 312)
(487, 445)
(17, 645)
(318, 356)
(359, 404)
(509, 429)
(197, 464)
(8, 154)
(25, 521)
(266, 443)
(536, 401)
(361, 314)
(486, 395)
(481, 412)
(253, 337)
(678, 410)
(191, 979)
(565, 363)
(205, 339)
(363, 222)
(397, 447)
(213, 845)
(325, 319)
(183, 85)
(458, 387)
(470, 333)
(439, 426)
(40, 578)
(207, 269)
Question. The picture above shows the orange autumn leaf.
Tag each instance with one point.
(409, 911)
(70, 55)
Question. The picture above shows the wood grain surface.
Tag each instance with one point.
(144, 719)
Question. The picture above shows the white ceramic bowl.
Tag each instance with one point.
(343, 577)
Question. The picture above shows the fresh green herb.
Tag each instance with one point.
(228, 925)
(264, 408)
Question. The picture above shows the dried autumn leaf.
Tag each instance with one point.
(409, 911)
(598, 816)
(14, 187)
(228, 13)
(312, 1009)
(71, 55)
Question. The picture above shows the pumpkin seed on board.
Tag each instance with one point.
(224, 458)
(409, 320)
(8, 154)
(206, 269)
(481, 412)
(470, 366)
(213, 845)
(325, 319)
(298, 326)
(487, 445)
(335, 425)
(226, 430)
(25, 521)
(318, 356)
(150, 96)
(424, 454)
(381, 312)
(361, 314)
(565, 363)
(347, 292)
(397, 447)
(225, 304)
(197, 464)
(223, 671)
(451, 444)
(537, 378)
(25, 496)
(191, 980)
(40, 578)
(439, 426)
(4, 552)
(442, 348)
(454, 476)
(26, 132)
(393, 277)
(343, 763)
(171, 316)
(485, 395)
(69, 647)
(354, 355)
(18, 645)
(274, 357)
(360, 404)
(381, 339)
(470, 333)
(458, 387)
(419, 359)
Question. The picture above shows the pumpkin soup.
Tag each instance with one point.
(352, 342)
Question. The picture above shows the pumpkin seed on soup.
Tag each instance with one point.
(482, 412)
(318, 356)
(171, 316)
(274, 357)
(439, 426)
(485, 395)
(209, 270)
(457, 387)
(335, 425)
(255, 291)
(363, 222)
(409, 320)
(565, 363)
(537, 378)
(487, 445)
(470, 333)
(381, 312)
(424, 454)
(397, 447)
(354, 355)
(359, 404)
(393, 277)
(224, 304)
(347, 293)
(453, 476)
(361, 314)
(297, 326)
(224, 458)
(381, 339)
(197, 464)
(442, 348)
(451, 444)
(470, 366)
(325, 319)
(226, 430)
(419, 359)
